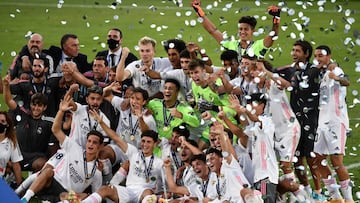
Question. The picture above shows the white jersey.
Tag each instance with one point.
(82, 123)
(141, 176)
(73, 173)
(128, 127)
(166, 152)
(245, 161)
(201, 188)
(263, 156)
(8, 153)
(184, 80)
(332, 104)
(140, 79)
(230, 182)
(246, 87)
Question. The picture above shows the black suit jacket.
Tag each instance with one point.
(80, 60)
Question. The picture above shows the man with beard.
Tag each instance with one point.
(82, 121)
(33, 130)
(33, 50)
(38, 83)
(115, 53)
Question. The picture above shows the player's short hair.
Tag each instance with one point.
(94, 89)
(306, 47)
(143, 92)
(200, 157)
(326, 48)
(177, 44)
(118, 30)
(214, 150)
(185, 54)
(39, 98)
(196, 63)
(96, 133)
(102, 58)
(182, 130)
(248, 20)
(150, 133)
(229, 55)
(147, 40)
(174, 81)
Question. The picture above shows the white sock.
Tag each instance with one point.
(308, 189)
(26, 183)
(346, 190)
(28, 195)
(330, 184)
(93, 198)
(119, 176)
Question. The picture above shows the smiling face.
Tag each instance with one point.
(147, 52)
(35, 44)
(322, 57)
(170, 92)
(214, 162)
(184, 62)
(147, 145)
(245, 32)
(174, 58)
(200, 168)
(37, 110)
(174, 141)
(185, 154)
(71, 47)
(298, 54)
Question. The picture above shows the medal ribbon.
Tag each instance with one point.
(205, 185)
(147, 169)
(95, 124)
(86, 168)
(167, 120)
(135, 127)
(177, 164)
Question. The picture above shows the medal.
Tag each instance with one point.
(132, 137)
(165, 128)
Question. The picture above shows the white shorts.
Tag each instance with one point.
(127, 194)
(120, 156)
(287, 141)
(56, 158)
(330, 138)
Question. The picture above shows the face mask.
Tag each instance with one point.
(113, 44)
(3, 127)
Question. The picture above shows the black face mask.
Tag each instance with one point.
(3, 127)
(113, 44)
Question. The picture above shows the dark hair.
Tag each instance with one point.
(229, 132)
(200, 157)
(182, 130)
(214, 150)
(252, 58)
(44, 59)
(229, 55)
(267, 64)
(39, 98)
(195, 63)
(65, 38)
(306, 47)
(257, 97)
(185, 54)
(150, 133)
(10, 131)
(177, 44)
(117, 29)
(248, 20)
(192, 142)
(143, 92)
(326, 48)
(96, 133)
(94, 89)
(174, 81)
(102, 58)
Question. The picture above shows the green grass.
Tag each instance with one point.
(44, 17)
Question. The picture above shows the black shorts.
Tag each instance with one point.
(309, 124)
(29, 158)
(267, 189)
(52, 193)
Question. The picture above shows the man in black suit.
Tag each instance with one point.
(114, 53)
(69, 51)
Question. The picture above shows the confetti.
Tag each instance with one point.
(13, 53)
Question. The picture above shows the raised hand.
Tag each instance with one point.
(196, 5)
